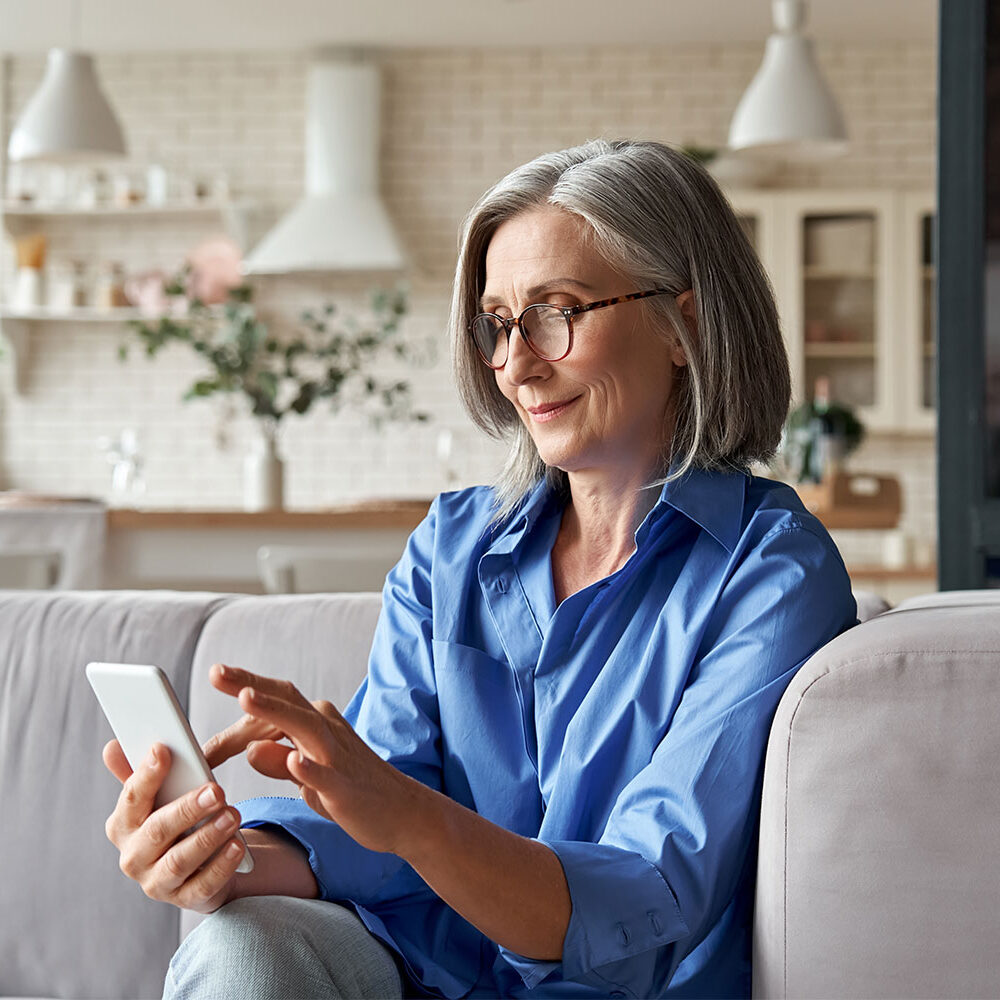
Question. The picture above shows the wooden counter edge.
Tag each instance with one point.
(406, 514)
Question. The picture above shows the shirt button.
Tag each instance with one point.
(617, 993)
(501, 585)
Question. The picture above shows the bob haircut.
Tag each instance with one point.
(658, 218)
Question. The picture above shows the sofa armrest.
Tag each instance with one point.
(879, 864)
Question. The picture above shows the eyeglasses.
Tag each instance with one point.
(545, 328)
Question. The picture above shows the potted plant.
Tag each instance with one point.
(819, 435)
(327, 357)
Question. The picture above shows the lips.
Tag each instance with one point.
(549, 411)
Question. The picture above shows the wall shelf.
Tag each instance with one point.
(18, 218)
(51, 211)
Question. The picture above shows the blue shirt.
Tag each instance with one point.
(625, 729)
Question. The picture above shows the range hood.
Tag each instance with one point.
(341, 223)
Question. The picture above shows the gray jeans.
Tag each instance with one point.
(279, 948)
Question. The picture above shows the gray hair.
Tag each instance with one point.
(656, 216)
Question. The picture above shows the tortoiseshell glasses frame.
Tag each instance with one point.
(545, 335)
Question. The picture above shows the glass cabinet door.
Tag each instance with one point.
(839, 251)
(928, 375)
(838, 302)
(919, 319)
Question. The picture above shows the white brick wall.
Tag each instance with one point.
(453, 122)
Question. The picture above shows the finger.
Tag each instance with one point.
(312, 778)
(328, 710)
(184, 859)
(210, 880)
(138, 794)
(231, 680)
(236, 738)
(304, 726)
(115, 762)
(168, 824)
(270, 758)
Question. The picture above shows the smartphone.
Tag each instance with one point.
(143, 709)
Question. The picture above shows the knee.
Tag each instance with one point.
(247, 922)
(241, 941)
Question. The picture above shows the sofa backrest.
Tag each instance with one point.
(71, 925)
(319, 642)
(879, 864)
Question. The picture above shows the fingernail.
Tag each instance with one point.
(207, 797)
(222, 670)
(224, 821)
(150, 760)
(234, 849)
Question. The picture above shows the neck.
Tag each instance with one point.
(596, 536)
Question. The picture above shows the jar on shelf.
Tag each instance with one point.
(109, 288)
(128, 189)
(59, 286)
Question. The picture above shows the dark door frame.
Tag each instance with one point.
(968, 523)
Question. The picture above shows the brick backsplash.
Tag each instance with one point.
(453, 122)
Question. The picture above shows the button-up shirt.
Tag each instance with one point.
(624, 729)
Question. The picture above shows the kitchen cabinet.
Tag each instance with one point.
(16, 325)
(853, 278)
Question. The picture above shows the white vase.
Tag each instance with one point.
(263, 473)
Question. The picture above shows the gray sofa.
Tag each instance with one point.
(879, 860)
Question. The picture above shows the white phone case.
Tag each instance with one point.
(143, 709)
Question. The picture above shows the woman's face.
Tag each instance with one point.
(603, 408)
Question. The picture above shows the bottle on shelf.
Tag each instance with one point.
(109, 291)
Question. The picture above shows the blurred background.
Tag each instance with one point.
(229, 122)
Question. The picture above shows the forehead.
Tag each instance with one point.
(540, 244)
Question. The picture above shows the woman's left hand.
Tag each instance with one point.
(339, 775)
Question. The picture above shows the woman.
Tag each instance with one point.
(548, 784)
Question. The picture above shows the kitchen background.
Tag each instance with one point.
(453, 121)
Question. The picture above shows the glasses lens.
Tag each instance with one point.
(491, 339)
(547, 330)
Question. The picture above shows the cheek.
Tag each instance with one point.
(507, 390)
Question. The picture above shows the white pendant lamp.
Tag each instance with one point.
(788, 111)
(68, 119)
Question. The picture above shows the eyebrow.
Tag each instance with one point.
(546, 286)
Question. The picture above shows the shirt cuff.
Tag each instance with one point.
(622, 906)
(342, 867)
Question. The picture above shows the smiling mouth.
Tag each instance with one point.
(549, 411)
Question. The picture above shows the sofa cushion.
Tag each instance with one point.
(57, 870)
(879, 864)
(870, 604)
(320, 642)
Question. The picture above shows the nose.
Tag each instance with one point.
(522, 363)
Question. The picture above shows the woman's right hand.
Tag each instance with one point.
(196, 871)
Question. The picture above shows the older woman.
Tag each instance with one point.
(548, 783)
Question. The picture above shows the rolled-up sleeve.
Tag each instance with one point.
(675, 845)
(395, 712)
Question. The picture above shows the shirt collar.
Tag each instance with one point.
(713, 499)
(540, 500)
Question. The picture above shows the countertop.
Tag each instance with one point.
(372, 514)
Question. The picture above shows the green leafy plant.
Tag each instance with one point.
(329, 357)
(701, 154)
(806, 427)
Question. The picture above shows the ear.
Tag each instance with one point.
(689, 310)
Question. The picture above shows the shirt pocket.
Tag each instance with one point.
(485, 762)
